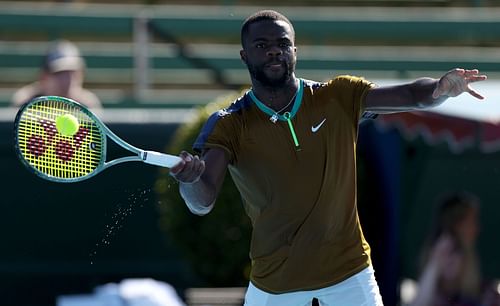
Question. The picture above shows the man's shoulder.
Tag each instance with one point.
(236, 108)
(314, 84)
(341, 84)
(336, 81)
(350, 80)
(223, 123)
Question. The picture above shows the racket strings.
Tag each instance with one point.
(52, 153)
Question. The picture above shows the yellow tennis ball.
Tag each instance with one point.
(67, 125)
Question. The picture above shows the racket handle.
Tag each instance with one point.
(160, 159)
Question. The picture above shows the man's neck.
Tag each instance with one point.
(276, 97)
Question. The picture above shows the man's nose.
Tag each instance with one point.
(274, 51)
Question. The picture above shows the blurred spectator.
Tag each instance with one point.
(450, 270)
(61, 74)
(130, 292)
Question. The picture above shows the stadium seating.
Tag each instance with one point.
(192, 54)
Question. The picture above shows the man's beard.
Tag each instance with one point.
(258, 74)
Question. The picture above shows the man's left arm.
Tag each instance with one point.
(422, 93)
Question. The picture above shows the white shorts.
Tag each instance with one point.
(361, 289)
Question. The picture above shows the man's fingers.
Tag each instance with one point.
(475, 94)
(177, 168)
(457, 81)
(189, 168)
(436, 93)
(476, 78)
(458, 71)
(186, 156)
(471, 72)
(200, 167)
(180, 165)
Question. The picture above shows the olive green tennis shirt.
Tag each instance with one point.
(302, 203)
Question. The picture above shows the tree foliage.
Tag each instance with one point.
(216, 245)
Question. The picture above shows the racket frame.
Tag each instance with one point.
(150, 157)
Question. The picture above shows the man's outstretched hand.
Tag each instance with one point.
(457, 81)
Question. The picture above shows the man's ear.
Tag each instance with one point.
(243, 56)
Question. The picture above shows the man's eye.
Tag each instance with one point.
(261, 45)
(285, 45)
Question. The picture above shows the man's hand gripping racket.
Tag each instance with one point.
(189, 170)
(62, 141)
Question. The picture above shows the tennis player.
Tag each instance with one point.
(290, 147)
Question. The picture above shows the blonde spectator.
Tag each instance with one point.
(62, 74)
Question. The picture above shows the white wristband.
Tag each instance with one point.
(199, 210)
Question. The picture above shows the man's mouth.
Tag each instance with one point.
(275, 65)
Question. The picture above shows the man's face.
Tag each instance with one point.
(269, 52)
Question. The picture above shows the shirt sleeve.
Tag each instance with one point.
(221, 130)
(351, 92)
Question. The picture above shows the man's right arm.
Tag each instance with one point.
(200, 179)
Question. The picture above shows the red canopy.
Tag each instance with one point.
(458, 133)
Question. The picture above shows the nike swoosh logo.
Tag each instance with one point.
(314, 129)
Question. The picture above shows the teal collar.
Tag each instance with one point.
(271, 112)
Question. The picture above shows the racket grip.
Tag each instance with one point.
(160, 159)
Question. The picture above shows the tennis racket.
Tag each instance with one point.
(60, 158)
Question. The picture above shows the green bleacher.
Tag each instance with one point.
(193, 50)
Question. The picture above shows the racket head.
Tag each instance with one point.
(51, 155)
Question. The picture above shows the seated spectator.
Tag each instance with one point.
(451, 272)
(62, 74)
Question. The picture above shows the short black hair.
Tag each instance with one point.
(263, 16)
